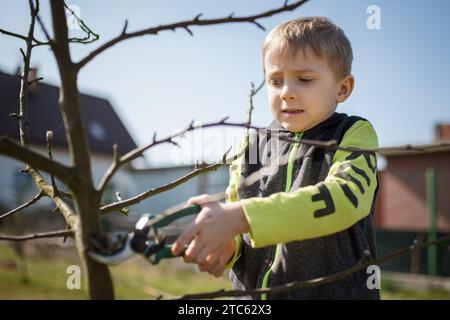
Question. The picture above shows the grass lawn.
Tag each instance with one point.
(135, 279)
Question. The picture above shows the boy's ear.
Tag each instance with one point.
(345, 89)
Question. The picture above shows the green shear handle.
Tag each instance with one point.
(165, 252)
(165, 218)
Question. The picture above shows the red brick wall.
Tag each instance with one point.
(402, 196)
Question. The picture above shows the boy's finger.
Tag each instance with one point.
(212, 258)
(209, 264)
(206, 256)
(195, 247)
(217, 270)
(188, 254)
(201, 199)
(202, 267)
(184, 238)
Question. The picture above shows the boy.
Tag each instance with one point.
(308, 212)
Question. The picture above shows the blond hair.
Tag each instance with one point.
(319, 34)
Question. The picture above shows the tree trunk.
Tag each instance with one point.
(98, 278)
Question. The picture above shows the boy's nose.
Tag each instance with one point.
(287, 93)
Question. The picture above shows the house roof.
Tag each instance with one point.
(103, 126)
(443, 147)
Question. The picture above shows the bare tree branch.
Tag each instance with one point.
(12, 34)
(112, 169)
(253, 92)
(35, 80)
(360, 265)
(151, 192)
(118, 162)
(24, 83)
(22, 151)
(87, 199)
(185, 25)
(11, 148)
(29, 203)
(197, 171)
(49, 137)
(30, 40)
(135, 153)
(52, 234)
(69, 215)
(44, 30)
(333, 145)
(83, 27)
(19, 36)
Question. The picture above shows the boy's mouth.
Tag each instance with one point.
(292, 111)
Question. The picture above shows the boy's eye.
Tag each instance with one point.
(275, 82)
(305, 80)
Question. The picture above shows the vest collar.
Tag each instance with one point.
(331, 121)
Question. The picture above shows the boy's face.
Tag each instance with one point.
(303, 90)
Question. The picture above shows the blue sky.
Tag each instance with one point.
(161, 83)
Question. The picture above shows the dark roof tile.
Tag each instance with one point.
(104, 128)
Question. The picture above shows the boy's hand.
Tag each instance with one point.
(216, 261)
(210, 235)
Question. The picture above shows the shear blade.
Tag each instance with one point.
(118, 256)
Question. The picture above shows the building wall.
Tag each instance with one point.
(402, 202)
(389, 241)
(16, 188)
(143, 180)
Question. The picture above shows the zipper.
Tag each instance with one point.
(289, 171)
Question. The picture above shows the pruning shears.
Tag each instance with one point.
(147, 239)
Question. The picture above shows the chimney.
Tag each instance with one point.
(441, 133)
(32, 75)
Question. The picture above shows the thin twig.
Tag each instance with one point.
(52, 234)
(23, 206)
(360, 265)
(135, 153)
(35, 161)
(49, 137)
(11, 148)
(185, 25)
(35, 80)
(253, 93)
(22, 37)
(12, 34)
(118, 162)
(24, 82)
(83, 27)
(44, 29)
(154, 191)
(332, 145)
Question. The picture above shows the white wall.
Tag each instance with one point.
(128, 182)
(9, 168)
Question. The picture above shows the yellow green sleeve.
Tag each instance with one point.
(237, 252)
(344, 198)
(235, 173)
(232, 196)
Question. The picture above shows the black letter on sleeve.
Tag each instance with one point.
(367, 157)
(323, 195)
(349, 194)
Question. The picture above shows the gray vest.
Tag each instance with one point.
(307, 259)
